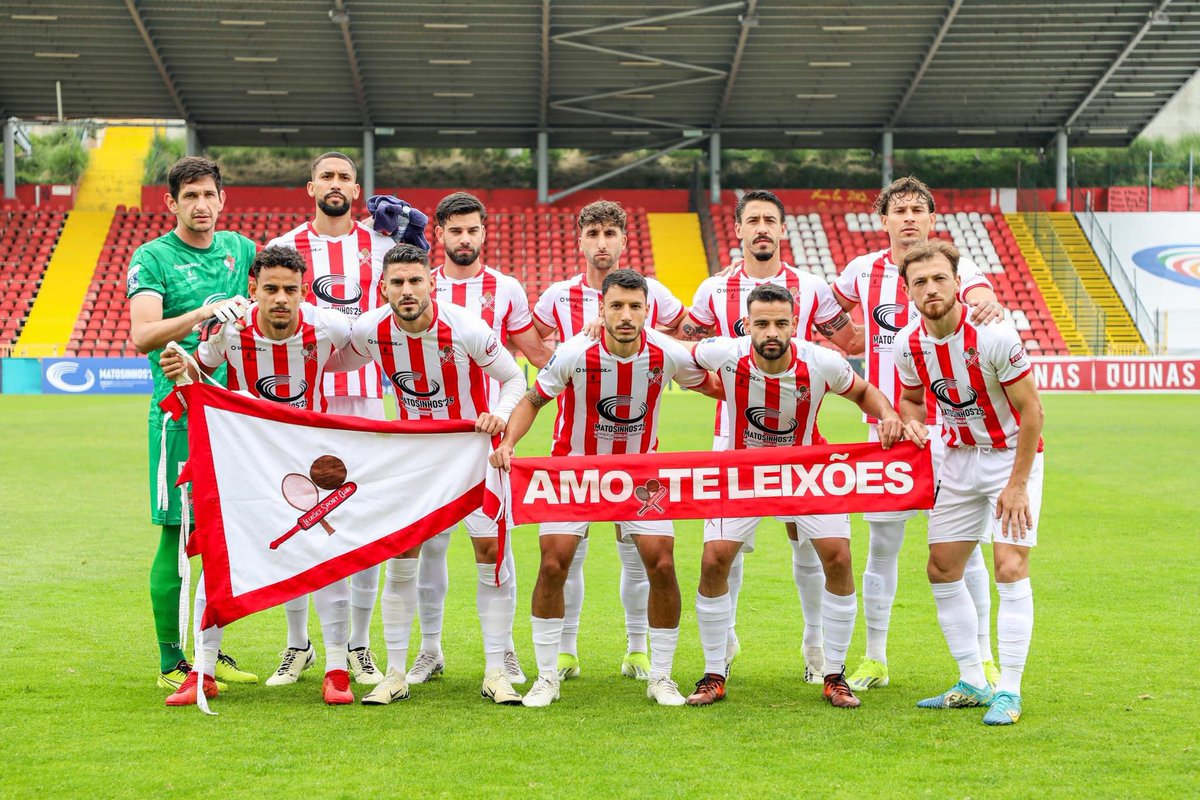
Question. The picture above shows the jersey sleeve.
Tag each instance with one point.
(359, 333)
(1007, 355)
(543, 309)
(846, 283)
(835, 370)
(519, 317)
(337, 326)
(827, 304)
(712, 353)
(685, 371)
(669, 306)
(970, 277)
(482, 343)
(145, 275)
(554, 377)
(905, 368)
(701, 309)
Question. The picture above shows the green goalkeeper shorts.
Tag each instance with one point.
(176, 455)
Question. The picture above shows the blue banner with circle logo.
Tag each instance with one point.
(96, 376)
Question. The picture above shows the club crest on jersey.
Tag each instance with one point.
(767, 421)
(802, 394)
(309, 352)
(655, 376)
(885, 313)
(972, 356)
(275, 387)
(445, 354)
(947, 391)
(406, 382)
(487, 300)
(328, 287)
(619, 409)
(364, 257)
(230, 262)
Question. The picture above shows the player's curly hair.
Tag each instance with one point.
(769, 293)
(602, 212)
(405, 254)
(900, 187)
(459, 203)
(625, 279)
(757, 194)
(192, 169)
(278, 255)
(927, 250)
(334, 154)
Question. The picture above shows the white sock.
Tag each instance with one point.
(364, 590)
(296, 611)
(635, 595)
(1014, 629)
(736, 574)
(663, 642)
(399, 603)
(837, 617)
(547, 633)
(809, 577)
(495, 606)
(433, 581)
(333, 610)
(712, 616)
(956, 615)
(979, 584)
(879, 584)
(573, 600)
(210, 637)
(510, 564)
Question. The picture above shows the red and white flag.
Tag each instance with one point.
(755, 482)
(287, 501)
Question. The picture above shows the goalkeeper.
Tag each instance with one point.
(175, 282)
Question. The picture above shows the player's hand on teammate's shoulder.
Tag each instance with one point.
(985, 311)
(594, 328)
(489, 424)
(501, 457)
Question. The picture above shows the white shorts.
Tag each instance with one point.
(720, 443)
(479, 526)
(970, 481)
(741, 529)
(650, 527)
(937, 449)
(366, 407)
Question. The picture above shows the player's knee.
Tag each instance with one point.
(554, 566)
(399, 572)
(660, 566)
(942, 572)
(488, 575)
(1011, 567)
(837, 562)
(714, 563)
(486, 550)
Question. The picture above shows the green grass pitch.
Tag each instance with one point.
(1110, 688)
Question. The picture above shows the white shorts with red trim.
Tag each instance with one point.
(479, 526)
(937, 449)
(649, 527)
(366, 407)
(812, 526)
(969, 482)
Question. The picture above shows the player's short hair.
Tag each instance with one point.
(770, 293)
(190, 170)
(757, 194)
(459, 203)
(625, 279)
(900, 187)
(405, 254)
(334, 154)
(278, 255)
(926, 251)
(602, 212)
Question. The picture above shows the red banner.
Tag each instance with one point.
(1117, 374)
(785, 481)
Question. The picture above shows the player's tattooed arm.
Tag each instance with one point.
(842, 331)
(536, 398)
(829, 328)
(693, 331)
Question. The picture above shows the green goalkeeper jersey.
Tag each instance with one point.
(187, 278)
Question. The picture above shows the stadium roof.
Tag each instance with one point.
(492, 73)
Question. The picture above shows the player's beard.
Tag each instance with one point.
(763, 255)
(409, 316)
(330, 210)
(280, 323)
(623, 336)
(602, 266)
(463, 259)
(947, 307)
(778, 344)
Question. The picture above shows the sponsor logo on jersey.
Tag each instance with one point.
(273, 387)
(492, 346)
(767, 420)
(946, 390)
(619, 409)
(57, 375)
(131, 283)
(405, 382)
(884, 313)
(325, 287)
(739, 327)
(1017, 355)
(216, 297)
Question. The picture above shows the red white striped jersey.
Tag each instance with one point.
(497, 299)
(569, 305)
(343, 274)
(286, 371)
(720, 303)
(967, 372)
(609, 405)
(438, 373)
(873, 282)
(773, 410)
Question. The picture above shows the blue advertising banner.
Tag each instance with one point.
(96, 376)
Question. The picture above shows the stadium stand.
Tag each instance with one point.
(536, 244)
(27, 240)
(824, 243)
